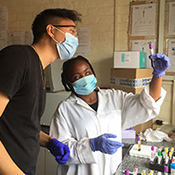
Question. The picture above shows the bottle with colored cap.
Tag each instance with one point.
(172, 166)
(126, 172)
(166, 170)
(139, 143)
(152, 154)
(159, 157)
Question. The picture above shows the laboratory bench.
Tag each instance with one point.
(131, 162)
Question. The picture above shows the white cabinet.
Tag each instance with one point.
(46, 164)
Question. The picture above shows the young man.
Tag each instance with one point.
(22, 92)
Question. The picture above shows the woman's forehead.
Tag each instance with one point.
(80, 65)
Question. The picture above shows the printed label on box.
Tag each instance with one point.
(135, 83)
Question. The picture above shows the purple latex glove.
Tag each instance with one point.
(161, 63)
(59, 150)
(105, 145)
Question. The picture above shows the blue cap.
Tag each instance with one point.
(172, 165)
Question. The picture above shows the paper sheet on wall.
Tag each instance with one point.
(3, 39)
(171, 54)
(143, 20)
(3, 27)
(143, 46)
(84, 41)
(171, 21)
(16, 38)
(3, 18)
(24, 37)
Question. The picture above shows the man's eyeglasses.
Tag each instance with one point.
(74, 32)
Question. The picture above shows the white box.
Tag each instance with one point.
(129, 134)
(130, 59)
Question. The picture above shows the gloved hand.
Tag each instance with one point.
(161, 63)
(59, 150)
(105, 145)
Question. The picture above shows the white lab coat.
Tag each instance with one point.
(74, 122)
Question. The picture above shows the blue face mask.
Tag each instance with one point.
(67, 48)
(85, 85)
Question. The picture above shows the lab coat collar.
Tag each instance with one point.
(102, 100)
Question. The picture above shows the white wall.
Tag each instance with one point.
(106, 19)
(97, 15)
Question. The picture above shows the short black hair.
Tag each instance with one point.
(66, 67)
(48, 16)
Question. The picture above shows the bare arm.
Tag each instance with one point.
(7, 166)
(44, 139)
(3, 101)
(155, 88)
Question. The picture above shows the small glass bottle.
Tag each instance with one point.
(166, 170)
(172, 165)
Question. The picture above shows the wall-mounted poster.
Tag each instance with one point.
(143, 19)
(171, 20)
(171, 54)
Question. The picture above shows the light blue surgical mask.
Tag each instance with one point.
(67, 48)
(85, 85)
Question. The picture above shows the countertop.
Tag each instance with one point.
(131, 162)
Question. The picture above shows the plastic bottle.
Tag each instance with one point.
(152, 154)
(172, 166)
(126, 172)
(166, 170)
(159, 157)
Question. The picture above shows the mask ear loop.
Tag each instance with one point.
(69, 84)
(55, 40)
(59, 31)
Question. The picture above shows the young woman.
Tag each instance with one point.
(90, 121)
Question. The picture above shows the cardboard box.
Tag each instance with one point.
(125, 79)
(129, 79)
(130, 59)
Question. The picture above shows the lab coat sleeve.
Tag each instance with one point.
(140, 108)
(80, 150)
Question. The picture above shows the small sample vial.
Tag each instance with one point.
(126, 172)
(139, 143)
(166, 170)
(151, 53)
(159, 157)
(172, 166)
(151, 49)
(152, 154)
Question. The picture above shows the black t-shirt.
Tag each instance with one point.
(21, 79)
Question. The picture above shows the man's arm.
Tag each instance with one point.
(3, 101)
(44, 139)
(59, 150)
(7, 166)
